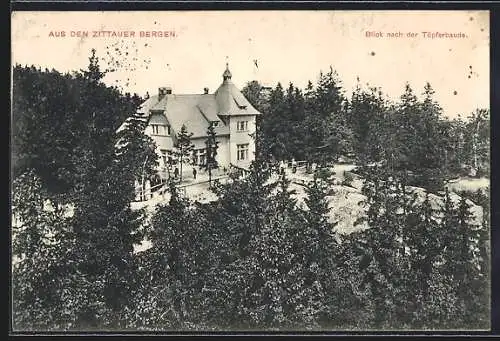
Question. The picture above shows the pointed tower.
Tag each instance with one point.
(237, 113)
(226, 76)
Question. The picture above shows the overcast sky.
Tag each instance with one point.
(289, 46)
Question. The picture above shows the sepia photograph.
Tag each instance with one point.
(250, 171)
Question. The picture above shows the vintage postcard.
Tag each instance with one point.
(250, 171)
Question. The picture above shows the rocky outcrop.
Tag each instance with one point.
(346, 202)
(347, 207)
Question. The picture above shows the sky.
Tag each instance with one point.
(270, 46)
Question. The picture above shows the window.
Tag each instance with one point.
(201, 158)
(156, 129)
(242, 152)
(159, 129)
(242, 126)
(215, 123)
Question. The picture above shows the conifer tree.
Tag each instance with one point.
(366, 119)
(272, 256)
(184, 147)
(212, 145)
(294, 110)
(320, 249)
(327, 133)
(168, 236)
(423, 243)
(245, 214)
(137, 150)
(253, 92)
(39, 239)
(470, 278)
(328, 94)
(451, 313)
(105, 254)
(95, 267)
(476, 142)
(273, 130)
(382, 247)
(182, 261)
(172, 160)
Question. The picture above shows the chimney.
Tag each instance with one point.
(164, 91)
(205, 91)
(161, 93)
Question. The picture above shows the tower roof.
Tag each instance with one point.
(227, 74)
(230, 100)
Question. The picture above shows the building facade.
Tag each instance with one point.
(233, 118)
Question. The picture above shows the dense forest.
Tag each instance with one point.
(320, 123)
(252, 259)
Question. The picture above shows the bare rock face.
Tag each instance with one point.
(347, 206)
(469, 184)
(437, 203)
(346, 202)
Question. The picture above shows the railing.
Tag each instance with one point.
(144, 194)
(161, 189)
(233, 168)
(298, 164)
(148, 193)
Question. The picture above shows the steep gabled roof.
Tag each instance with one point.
(197, 111)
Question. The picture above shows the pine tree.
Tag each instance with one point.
(253, 93)
(481, 286)
(172, 160)
(327, 134)
(184, 147)
(428, 246)
(320, 249)
(471, 283)
(294, 124)
(450, 310)
(328, 94)
(477, 141)
(424, 247)
(245, 214)
(272, 257)
(405, 115)
(93, 72)
(105, 255)
(211, 146)
(284, 197)
(274, 132)
(381, 247)
(94, 272)
(168, 236)
(39, 238)
(365, 118)
(138, 150)
(182, 262)
(429, 153)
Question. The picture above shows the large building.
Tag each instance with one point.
(232, 116)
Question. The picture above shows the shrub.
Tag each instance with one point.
(430, 179)
(483, 172)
